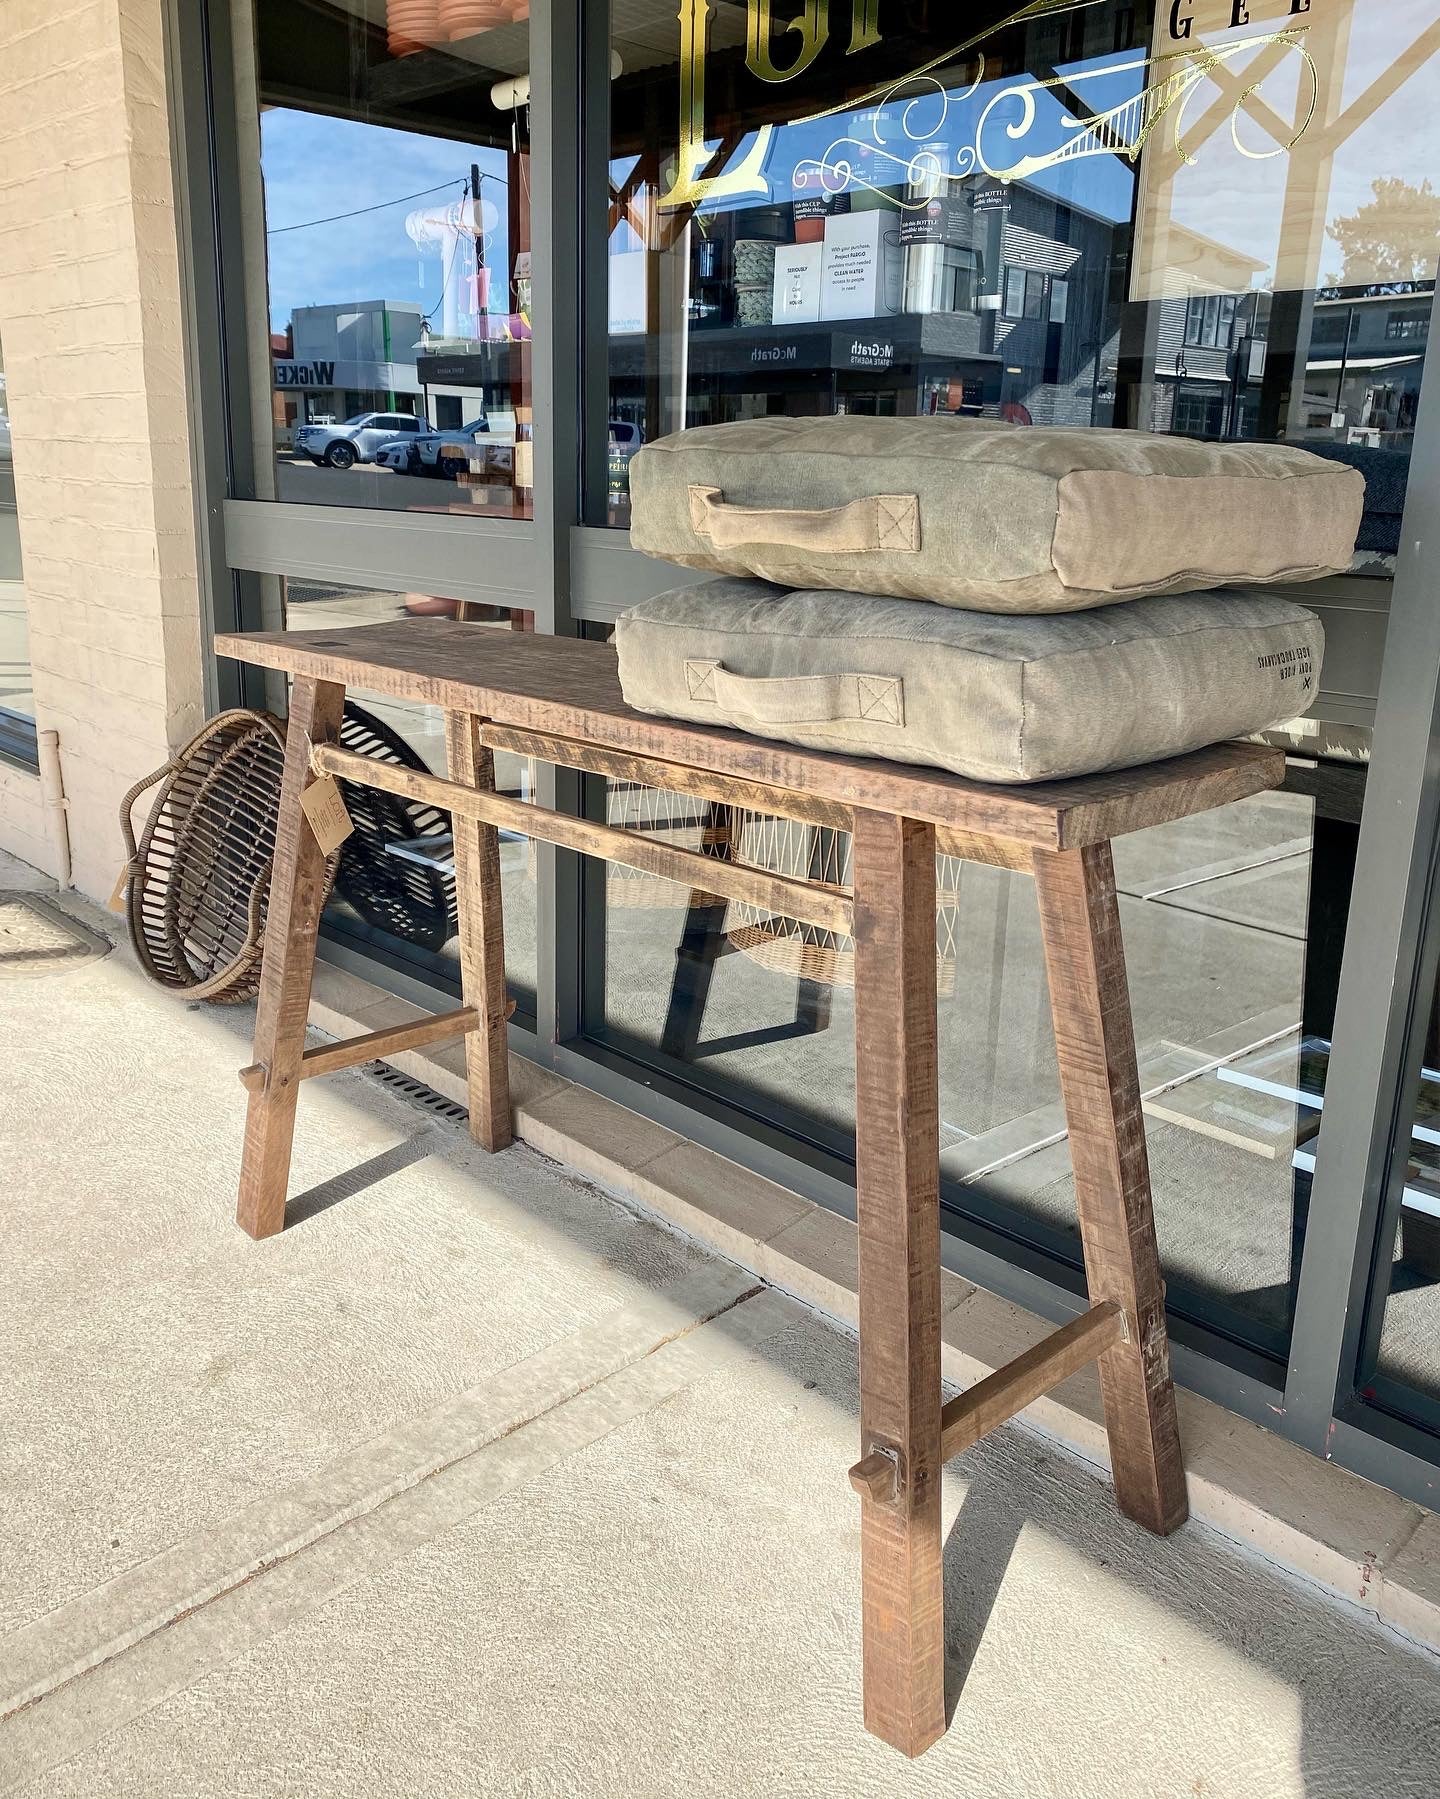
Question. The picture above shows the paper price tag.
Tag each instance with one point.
(324, 806)
(116, 901)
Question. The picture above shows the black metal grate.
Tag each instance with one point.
(424, 1098)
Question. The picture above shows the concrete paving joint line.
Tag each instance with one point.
(1370, 1548)
(81, 1711)
(83, 1635)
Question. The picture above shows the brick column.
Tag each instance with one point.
(90, 321)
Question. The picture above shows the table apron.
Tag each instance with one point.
(810, 902)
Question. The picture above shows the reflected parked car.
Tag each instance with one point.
(357, 440)
(624, 440)
(424, 452)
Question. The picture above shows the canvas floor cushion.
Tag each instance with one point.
(996, 699)
(987, 515)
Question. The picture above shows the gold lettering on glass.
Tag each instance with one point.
(812, 28)
(692, 185)
(1008, 118)
(695, 154)
(1124, 129)
(864, 25)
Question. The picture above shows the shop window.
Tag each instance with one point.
(1210, 321)
(393, 273)
(1400, 1361)
(1199, 413)
(1002, 227)
(1412, 324)
(17, 695)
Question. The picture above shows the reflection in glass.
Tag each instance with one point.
(1399, 1360)
(1403, 1367)
(758, 1009)
(17, 697)
(395, 888)
(395, 164)
(1078, 220)
(1098, 216)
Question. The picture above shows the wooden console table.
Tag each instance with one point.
(559, 700)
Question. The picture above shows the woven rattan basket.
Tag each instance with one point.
(197, 882)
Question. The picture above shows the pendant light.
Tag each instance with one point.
(411, 25)
(464, 18)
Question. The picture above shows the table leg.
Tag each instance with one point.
(482, 940)
(292, 925)
(897, 1193)
(1100, 1084)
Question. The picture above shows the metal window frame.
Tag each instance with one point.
(1373, 1074)
(241, 538)
(19, 740)
(494, 560)
(570, 569)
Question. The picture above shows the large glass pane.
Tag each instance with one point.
(1199, 218)
(389, 248)
(394, 893)
(17, 697)
(1400, 1361)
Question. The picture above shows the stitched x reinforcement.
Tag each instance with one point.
(879, 699)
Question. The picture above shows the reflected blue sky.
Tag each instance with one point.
(945, 122)
(1240, 188)
(315, 165)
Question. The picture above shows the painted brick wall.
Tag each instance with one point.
(91, 325)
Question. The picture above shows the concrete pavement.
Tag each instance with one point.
(475, 1481)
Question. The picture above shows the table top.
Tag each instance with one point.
(570, 688)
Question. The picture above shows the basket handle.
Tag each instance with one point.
(877, 522)
(798, 699)
(127, 825)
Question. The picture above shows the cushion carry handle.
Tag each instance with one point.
(881, 521)
(798, 699)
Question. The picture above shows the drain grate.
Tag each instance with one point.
(424, 1098)
(37, 938)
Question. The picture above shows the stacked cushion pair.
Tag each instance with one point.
(986, 598)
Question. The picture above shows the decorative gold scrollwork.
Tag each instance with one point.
(1165, 86)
